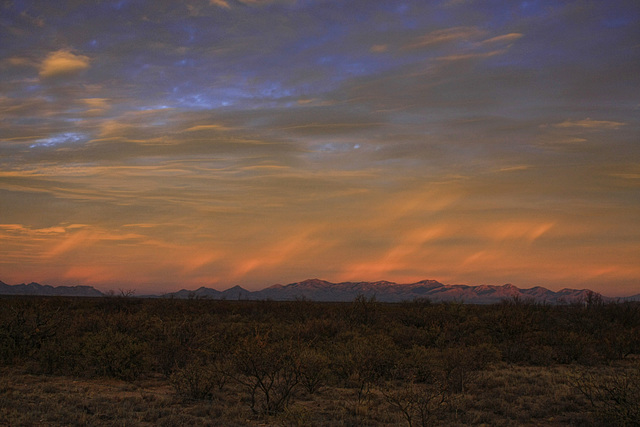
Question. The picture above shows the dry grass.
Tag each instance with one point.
(524, 395)
(502, 396)
(53, 400)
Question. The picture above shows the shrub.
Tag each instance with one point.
(418, 402)
(461, 365)
(614, 396)
(197, 381)
(364, 311)
(362, 361)
(314, 368)
(26, 328)
(268, 370)
(173, 345)
(113, 354)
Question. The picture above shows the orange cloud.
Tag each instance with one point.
(526, 231)
(402, 256)
(86, 237)
(89, 273)
(63, 62)
(220, 3)
(206, 127)
(589, 124)
(200, 259)
(286, 250)
(18, 61)
(508, 38)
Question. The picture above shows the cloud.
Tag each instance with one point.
(524, 230)
(19, 61)
(514, 168)
(220, 3)
(505, 38)
(200, 259)
(225, 3)
(264, 2)
(467, 56)
(95, 106)
(206, 127)
(59, 139)
(400, 256)
(101, 103)
(63, 62)
(90, 237)
(317, 121)
(464, 43)
(294, 245)
(414, 138)
(379, 48)
(589, 124)
(444, 36)
(21, 229)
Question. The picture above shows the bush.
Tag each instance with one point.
(462, 365)
(418, 402)
(362, 361)
(314, 368)
(614, 396)
(269, 370)
(25, 328)
(197, 381)
(113, 354)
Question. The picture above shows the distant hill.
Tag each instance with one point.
(322, 290)
(632, 298)
(233, 293)
(46, 290)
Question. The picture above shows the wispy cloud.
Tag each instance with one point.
(379, 48)
(59, 139)
(589, 124)
(221, 3)
(467, 56)
(505, 38)
(226, 4)
(206, 127)
(447, 35)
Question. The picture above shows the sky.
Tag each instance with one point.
(160, 145)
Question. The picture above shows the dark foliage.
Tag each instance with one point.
(277, 350)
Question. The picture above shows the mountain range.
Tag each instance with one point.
(46, 290)
(321, 290)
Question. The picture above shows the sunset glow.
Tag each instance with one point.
(161, 145)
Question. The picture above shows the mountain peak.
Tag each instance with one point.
(312, 282)
(429, 282)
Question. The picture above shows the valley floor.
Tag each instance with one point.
(133, 362)
(501, 396)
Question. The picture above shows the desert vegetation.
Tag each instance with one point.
(120, 360)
